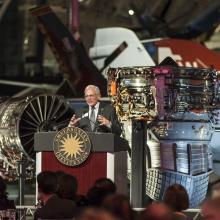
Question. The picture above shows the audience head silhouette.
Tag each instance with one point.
(119, 206)
(100, 189)
(157, 211)
(4, 202)
(215, 189)
(47, 182)
(67, 187)
(176, 197)
(93, 213)
(105, 184)
(3, 193)
(211, 209)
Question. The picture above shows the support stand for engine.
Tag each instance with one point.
(138, 163)
(22, 168)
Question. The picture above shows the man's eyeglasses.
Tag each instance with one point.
(89, 96)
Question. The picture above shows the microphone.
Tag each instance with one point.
(85, 115)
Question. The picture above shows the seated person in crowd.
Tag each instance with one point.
(215, 189)
(102, 188)
(119, 206)
(94, 213)
(157, 211)
(211, 209)
(5, 203)
(53, 207)
(96, 116)
(67, 189)
(105, 184)
(176, 198)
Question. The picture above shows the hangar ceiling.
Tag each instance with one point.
(151, 18)
(20, 57)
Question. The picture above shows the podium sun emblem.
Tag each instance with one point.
(68, 149)
(71, 146)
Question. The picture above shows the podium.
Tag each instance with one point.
(107, 159)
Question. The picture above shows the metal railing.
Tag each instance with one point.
(25, 212)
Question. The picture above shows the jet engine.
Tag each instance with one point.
(20, 118)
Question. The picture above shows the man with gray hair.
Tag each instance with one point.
(96, 117)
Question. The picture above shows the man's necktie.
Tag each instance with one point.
(92, 118)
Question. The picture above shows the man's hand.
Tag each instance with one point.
(104, 121)
(73, 121)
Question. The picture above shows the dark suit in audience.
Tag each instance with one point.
(53, 206)
(56, 208)
(7, 207)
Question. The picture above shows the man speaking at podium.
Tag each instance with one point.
(96, 117)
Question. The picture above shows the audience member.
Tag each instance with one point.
(67, 187)
(5, 203)
(92, 213)
(59, 174)
(7, 207)
(211, 209)
(215, 189)
(176, 197)
(119, 205)
(100, 190)
(157, 211)
(106, 184)
(53, 206)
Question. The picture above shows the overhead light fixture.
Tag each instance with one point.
(130, 12)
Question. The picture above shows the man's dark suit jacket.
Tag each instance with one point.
(108, 111)
(56, 208)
